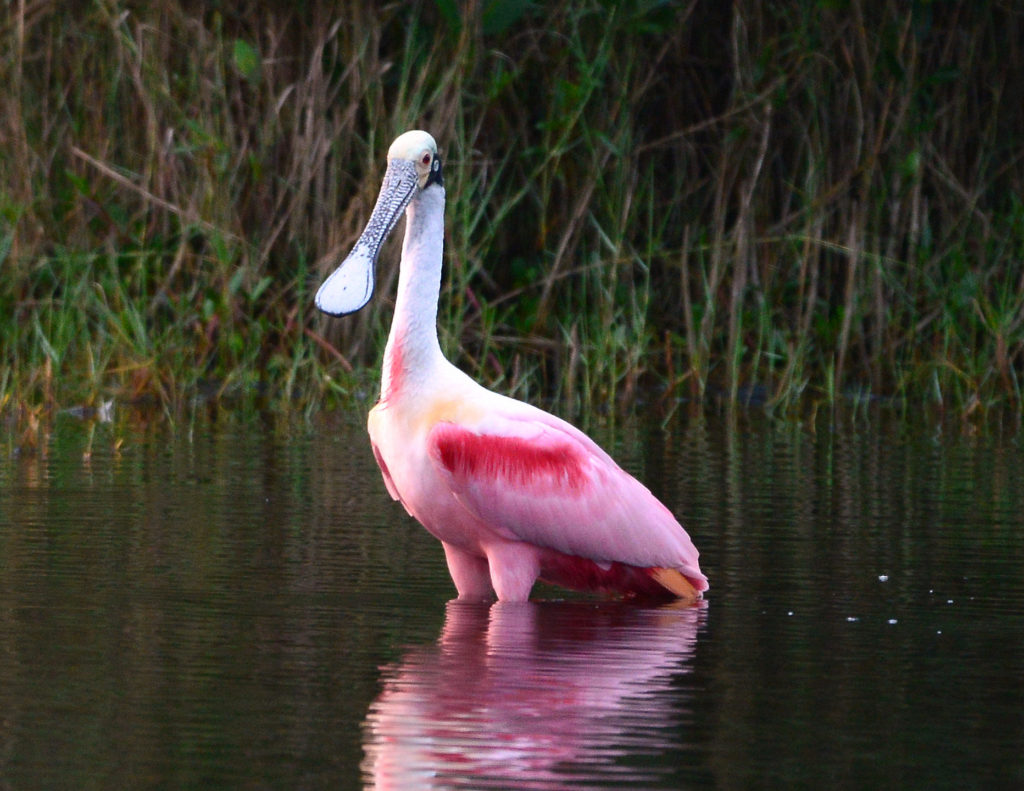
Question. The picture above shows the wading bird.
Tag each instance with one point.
(513, 493)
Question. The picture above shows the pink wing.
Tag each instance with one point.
(536, 479)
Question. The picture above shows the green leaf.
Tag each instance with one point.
(247, 60)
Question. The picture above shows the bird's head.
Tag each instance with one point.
(413, 166)
(419, 149)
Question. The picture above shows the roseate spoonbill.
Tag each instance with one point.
(513, 493)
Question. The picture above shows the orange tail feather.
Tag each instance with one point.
(673, 581)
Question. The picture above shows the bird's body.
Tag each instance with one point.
(514, 493)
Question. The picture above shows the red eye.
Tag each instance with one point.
(426, 159)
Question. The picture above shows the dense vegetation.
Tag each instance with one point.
(796, 202)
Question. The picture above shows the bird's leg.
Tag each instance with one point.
(514, 569)
(469, 573)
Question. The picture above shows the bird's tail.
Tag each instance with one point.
(673, 581)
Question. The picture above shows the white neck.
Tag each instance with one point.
(413, 348)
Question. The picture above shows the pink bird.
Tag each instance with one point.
(514, 494)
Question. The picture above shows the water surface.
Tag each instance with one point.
(238, 604)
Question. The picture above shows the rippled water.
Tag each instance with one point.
(240, 605)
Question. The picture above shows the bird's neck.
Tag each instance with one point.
(413, 349)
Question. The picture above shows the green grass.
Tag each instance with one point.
(796, 205)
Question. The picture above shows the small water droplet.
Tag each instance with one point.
(883, 577)
(892, 621)
(789, 613)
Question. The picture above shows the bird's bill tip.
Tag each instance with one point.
(350, 286)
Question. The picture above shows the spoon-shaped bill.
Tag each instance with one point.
(350, 286)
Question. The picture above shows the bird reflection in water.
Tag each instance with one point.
(535, 695)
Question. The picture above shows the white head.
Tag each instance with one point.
(419, 148)
(413, 166)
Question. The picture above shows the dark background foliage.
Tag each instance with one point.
(793, 202)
